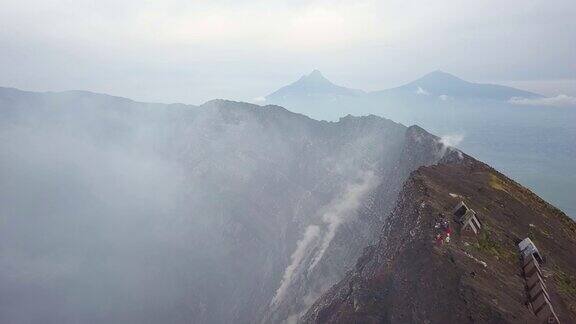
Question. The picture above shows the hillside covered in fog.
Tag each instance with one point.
(115, 210)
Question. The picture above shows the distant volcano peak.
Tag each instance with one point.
(441, 76)
(315, 73)
(313, 84)
(315, 77)
(442, 83)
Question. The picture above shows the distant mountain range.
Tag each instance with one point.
(440, 83)
(437, 84)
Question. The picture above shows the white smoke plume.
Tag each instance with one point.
(310, 235)
(335, 214)
(450, 142)
(339, 211)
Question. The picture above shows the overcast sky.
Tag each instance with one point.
(194, 51)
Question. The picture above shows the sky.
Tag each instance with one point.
(194, 51)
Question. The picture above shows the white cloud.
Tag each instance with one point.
(557, 101)
(255, 24)
(259, 99)
(444, 97)
(421, 91)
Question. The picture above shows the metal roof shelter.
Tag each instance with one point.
(527, 247)
(536, 289)
(531, 266)
(467, 217)
(460, 210)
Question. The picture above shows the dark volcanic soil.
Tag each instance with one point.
(409, 277)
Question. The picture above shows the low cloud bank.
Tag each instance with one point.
(557, 101)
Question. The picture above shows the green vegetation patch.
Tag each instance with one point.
(566, 283)
(488, 245)
(497, 183)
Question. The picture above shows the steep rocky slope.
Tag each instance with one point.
(410, 277)
(355, 219)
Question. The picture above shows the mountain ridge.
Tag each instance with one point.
(440, 83)
(477, 277)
